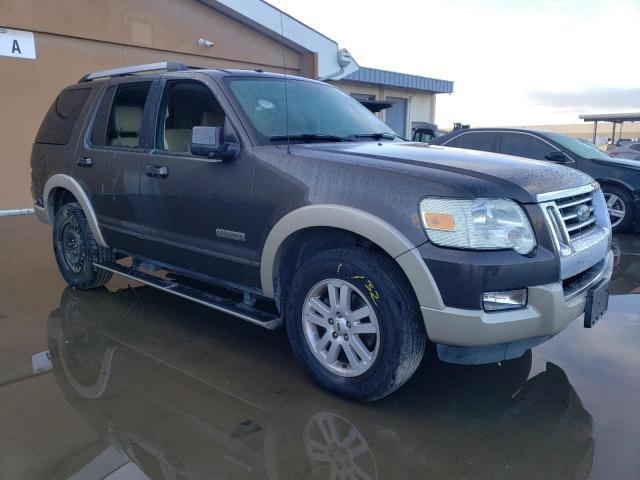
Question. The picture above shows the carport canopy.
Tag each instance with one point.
(614, 118)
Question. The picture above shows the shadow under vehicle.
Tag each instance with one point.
(182, 397)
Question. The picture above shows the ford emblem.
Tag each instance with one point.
(583, 212)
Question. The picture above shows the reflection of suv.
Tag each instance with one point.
(219, 425)
(265, 196)
(619, 178)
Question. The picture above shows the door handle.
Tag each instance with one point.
(84, 161)
(157, 171)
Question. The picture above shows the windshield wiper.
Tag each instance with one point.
(377, 136)
(310, 137)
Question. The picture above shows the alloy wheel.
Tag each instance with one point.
(616, 207)
(340, 327)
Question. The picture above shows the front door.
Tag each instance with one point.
(108, 162)
(195, 208)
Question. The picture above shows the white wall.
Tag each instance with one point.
(420, 105)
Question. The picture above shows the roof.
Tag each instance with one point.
(177, 68)
(460, 131)
(402, 80)
(612, 117)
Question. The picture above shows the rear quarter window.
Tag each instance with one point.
(59, 121)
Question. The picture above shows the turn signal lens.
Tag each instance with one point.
(439, 221)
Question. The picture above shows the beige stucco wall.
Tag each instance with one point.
(74, 37)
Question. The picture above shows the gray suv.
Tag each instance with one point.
(274, 198)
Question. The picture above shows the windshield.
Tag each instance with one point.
(585, 150)
(314, 110)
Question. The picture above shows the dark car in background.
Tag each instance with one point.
(619, 178)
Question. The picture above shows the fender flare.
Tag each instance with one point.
(614, 182)
(386, 236)
(61, 180)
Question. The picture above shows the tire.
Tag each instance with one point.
(76, 249)
(375, 284)
(621, 202)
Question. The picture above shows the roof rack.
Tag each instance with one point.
(148, 67)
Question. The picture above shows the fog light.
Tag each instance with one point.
(492, 301)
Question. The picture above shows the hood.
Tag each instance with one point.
(619, 162)
(487, 174)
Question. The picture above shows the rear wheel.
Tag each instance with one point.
(76, 249)
(354, 323)
(620, 207)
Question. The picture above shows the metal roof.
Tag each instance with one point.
(401, 80)
(612, 117)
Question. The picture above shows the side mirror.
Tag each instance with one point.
(209, 142)
(557, 156)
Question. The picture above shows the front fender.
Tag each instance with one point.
(386, 236)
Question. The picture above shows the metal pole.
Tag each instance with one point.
(613, 135)
(595, 130)
(620, 132)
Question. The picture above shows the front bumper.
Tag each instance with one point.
(550, 309)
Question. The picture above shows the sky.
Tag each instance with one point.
(512, 62)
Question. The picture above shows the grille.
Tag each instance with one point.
(577, 213)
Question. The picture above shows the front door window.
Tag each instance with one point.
(185, 105)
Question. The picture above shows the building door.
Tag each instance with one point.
(396, 115)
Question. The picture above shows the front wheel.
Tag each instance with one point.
(620, 207)
(354, 323)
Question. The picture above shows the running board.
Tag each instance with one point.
(259, 317)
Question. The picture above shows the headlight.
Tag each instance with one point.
(480, 224)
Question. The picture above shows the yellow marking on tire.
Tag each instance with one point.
(373, 293)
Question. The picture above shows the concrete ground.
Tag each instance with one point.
(132, 383)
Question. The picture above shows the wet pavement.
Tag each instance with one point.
(126, 382)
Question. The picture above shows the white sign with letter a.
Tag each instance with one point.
(17, 43)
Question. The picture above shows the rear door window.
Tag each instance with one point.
(58, 124)
(524, 145)
(101, 120)
(484, 141)
(124, 128)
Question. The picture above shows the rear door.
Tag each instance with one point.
(108, 161)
